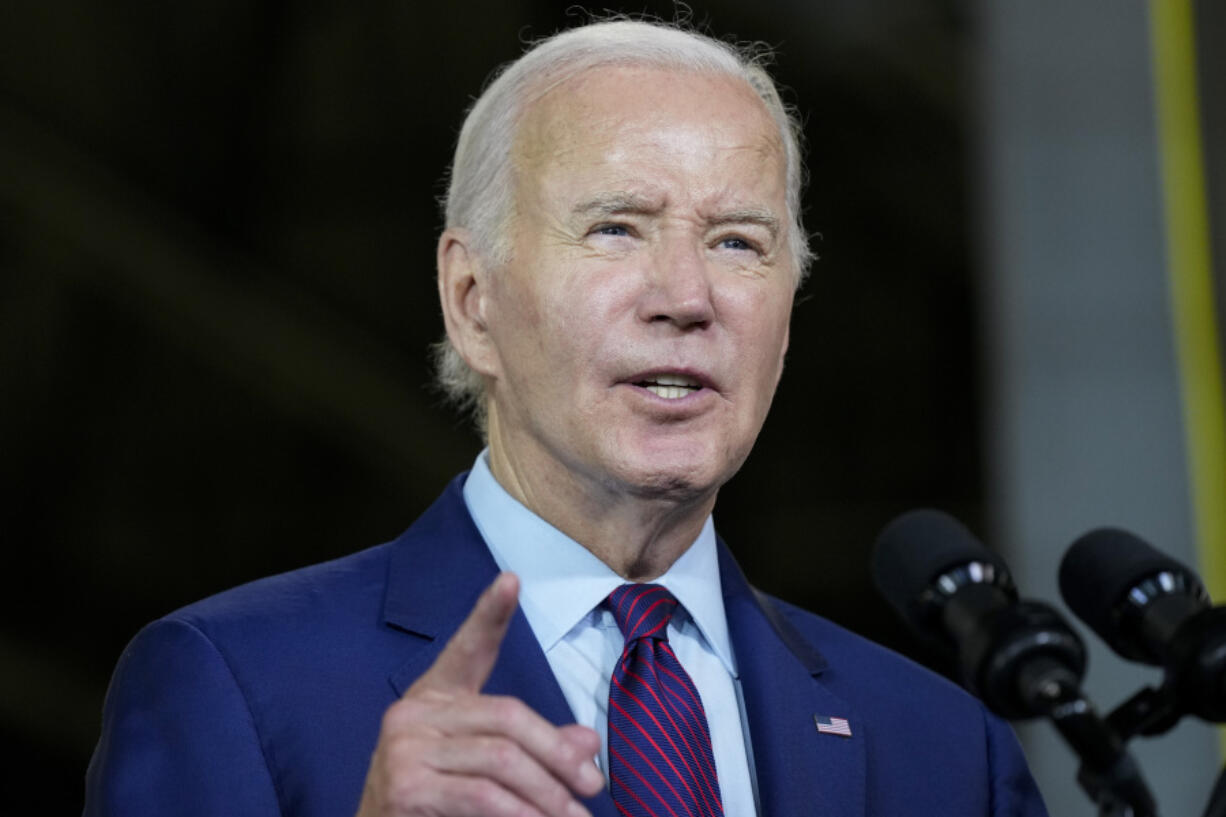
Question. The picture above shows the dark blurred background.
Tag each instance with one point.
(217, 228)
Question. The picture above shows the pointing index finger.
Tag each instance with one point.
(467, 660)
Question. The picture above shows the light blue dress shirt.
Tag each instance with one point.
(562, 585)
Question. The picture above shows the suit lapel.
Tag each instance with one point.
(439, 567)
(436, 571)
(799, 769)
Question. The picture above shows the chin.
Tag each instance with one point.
(679, 488)
(667, 473)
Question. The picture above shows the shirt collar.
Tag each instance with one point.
(561, 581)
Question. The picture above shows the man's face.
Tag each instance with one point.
(639, 328)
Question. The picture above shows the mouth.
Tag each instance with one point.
(670, 386)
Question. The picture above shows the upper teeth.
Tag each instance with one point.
(674, 380)
(671, 386)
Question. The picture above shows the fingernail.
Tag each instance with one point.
(576, 809)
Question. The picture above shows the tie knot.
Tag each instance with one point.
(642, 611)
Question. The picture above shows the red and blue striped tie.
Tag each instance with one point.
(660, 761)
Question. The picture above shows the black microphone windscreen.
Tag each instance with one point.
(1101, 567)
(916, 548)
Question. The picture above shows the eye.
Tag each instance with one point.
(737, 243)
(611, 230)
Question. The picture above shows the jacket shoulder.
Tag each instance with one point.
(262, 695)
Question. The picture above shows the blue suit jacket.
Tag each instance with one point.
(266, 700)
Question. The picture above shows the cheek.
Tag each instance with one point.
(589, 313)
(765, 342)
(762, 318)
(555, 342)
(516, 328)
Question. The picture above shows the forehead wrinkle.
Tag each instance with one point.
(564, 132)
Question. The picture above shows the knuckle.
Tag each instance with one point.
(487, 797)
(508, 711)
(405, 785)
(501, 751)
(400, 753)
(555, 796)
(567, 754)
(565, 758)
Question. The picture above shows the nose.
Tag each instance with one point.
(678, 289)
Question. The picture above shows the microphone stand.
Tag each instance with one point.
(1108, 774)
(1153, 712)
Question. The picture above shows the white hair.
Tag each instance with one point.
(480, 195)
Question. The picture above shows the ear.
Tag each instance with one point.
(463, 290)
(783, 353)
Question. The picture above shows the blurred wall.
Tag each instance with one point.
(1085, 424)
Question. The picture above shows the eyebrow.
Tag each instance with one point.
(608, 204)
(748, 215)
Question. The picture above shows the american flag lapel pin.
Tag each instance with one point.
(832, 726)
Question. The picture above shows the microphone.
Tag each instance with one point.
(1020, 657)
(1150, 608)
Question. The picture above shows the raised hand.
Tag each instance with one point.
(446, 750)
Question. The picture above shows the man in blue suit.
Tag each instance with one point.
(622, 247)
